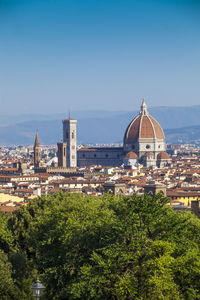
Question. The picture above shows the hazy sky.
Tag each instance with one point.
(57, 55)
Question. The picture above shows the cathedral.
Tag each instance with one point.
(144, 143)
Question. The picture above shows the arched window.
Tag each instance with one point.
(120, 192)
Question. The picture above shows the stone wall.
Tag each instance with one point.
(100, 156)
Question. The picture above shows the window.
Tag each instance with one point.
(150, 193)
(73, 135)
(133, 146)
(106, 155)
(148, 146)
(119, 192)
(95, 155)
(83, 155)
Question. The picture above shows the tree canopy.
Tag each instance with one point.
(86, 247)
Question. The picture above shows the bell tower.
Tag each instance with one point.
(37, 152)
(62, 153)
(70, 138)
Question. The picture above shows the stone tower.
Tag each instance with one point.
(62, 155)
(36, 152)
(153, 188)
(69, 137)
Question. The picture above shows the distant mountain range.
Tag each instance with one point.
(183, 135)
(181, 124)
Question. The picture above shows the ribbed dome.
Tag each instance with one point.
(143, 126)
(131, 155)
(163, 155)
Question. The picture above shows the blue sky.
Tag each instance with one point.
(57, 55)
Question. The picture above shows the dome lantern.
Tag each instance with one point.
(143, 110)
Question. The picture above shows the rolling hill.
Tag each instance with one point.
(181, 124)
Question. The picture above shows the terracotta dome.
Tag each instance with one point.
(143, 126)
(131, 155)
(163, 155)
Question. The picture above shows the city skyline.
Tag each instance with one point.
(85, 55)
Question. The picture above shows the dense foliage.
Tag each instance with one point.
(84, 247)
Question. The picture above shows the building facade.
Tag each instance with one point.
(105, 156)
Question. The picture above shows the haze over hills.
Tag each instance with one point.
(181, 124)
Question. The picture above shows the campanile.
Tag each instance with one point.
(70, 138)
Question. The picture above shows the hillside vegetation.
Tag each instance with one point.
(84, 247)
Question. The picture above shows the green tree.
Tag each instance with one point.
(8, 290)
(22, 274)
(86, 247)
(6, 237)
